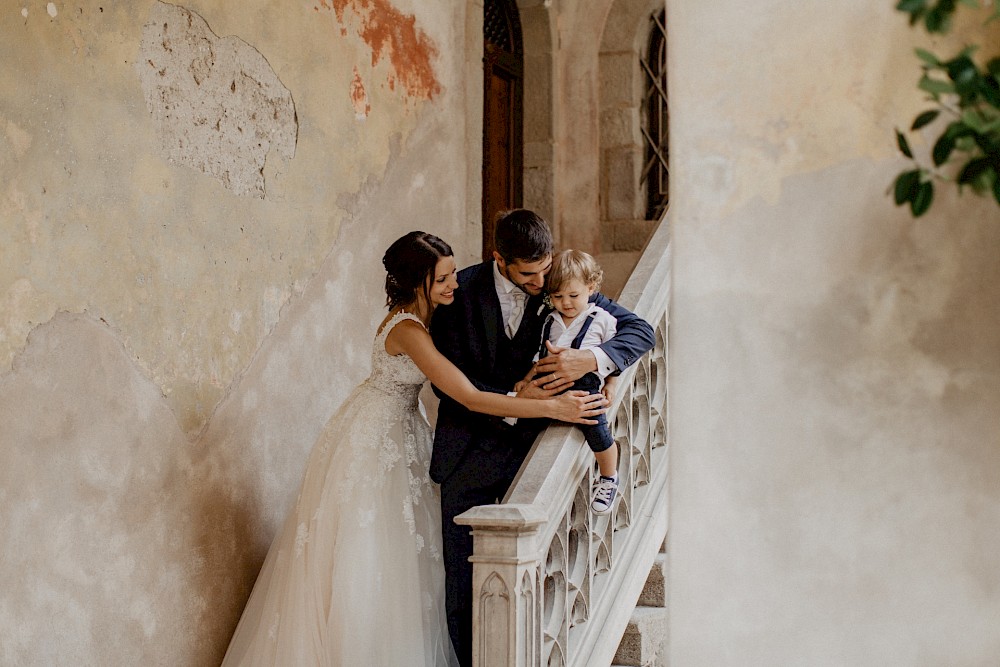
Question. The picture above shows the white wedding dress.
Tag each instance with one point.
(356, 577)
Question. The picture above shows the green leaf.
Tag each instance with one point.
(937, 20)
(958, 129)
(964, 73)
(982, 184)
(993, 67)
(989, 88)
(942, 149)
(996, 188)
(978, 121)
(928, 57)
(904, 145)
(922, 201)
(990, 147)
(973, 170)
(969, 50)
(970, 3)
(935, 87)
(910, 5)
(926, 118)
(906, 186)
(973, 119)
(966, 143)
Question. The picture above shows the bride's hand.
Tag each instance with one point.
(534, 389)
(579, 407)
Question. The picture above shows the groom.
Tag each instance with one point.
(491, 332)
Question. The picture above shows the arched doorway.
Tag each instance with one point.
(503, 73)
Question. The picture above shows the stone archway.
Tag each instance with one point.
(624, 227)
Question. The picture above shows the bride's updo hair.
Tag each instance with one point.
(408, 263)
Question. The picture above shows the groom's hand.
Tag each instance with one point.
(566, 366)
(534, 389)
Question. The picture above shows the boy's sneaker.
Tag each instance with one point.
(605, 493)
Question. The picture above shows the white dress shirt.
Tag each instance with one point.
(601, 330)
(505, 291)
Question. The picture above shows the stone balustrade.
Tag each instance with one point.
(553, 583)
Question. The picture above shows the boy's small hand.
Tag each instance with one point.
(609, 388)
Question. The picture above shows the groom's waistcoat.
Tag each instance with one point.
(513, 356)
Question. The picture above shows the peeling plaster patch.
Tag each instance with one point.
(216, 103)
(51, 8)
(388, 31)
(359, 98)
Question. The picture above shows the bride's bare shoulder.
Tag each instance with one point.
(405, 330)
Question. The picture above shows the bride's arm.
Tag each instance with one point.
(411, 339)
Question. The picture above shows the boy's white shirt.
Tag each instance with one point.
(601, 330)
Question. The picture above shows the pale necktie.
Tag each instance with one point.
(516, 311)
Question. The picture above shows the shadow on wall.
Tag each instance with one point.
(232, 553)
(108, 533)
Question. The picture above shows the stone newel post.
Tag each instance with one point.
(505, 583)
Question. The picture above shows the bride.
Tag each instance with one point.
(355, 576)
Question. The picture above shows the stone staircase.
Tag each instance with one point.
(644, 643)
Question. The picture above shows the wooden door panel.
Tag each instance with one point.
(502, 101)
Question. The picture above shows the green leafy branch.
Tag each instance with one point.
(966, 94)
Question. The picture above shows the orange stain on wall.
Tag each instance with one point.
(391, 34)
(359, 98)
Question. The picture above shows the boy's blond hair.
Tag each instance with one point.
(573, 265)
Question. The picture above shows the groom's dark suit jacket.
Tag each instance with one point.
(468, 333)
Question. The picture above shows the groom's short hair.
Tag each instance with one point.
(522, 235)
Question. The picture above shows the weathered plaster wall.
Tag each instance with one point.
(835, 364)
(172, 338)
(110, 136)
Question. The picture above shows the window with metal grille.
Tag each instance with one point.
(655, 177)
(501, 27)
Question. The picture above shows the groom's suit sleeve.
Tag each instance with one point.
(633, 338)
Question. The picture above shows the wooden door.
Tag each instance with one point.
(502, 101)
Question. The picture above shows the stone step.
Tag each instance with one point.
(644, 643)
(654, 593)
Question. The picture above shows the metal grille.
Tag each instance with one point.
(497, 25)
(655, 176)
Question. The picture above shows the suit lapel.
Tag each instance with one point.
(489, 310)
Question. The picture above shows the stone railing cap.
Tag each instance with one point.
(503, 517)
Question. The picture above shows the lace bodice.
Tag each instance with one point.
(395, 375)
